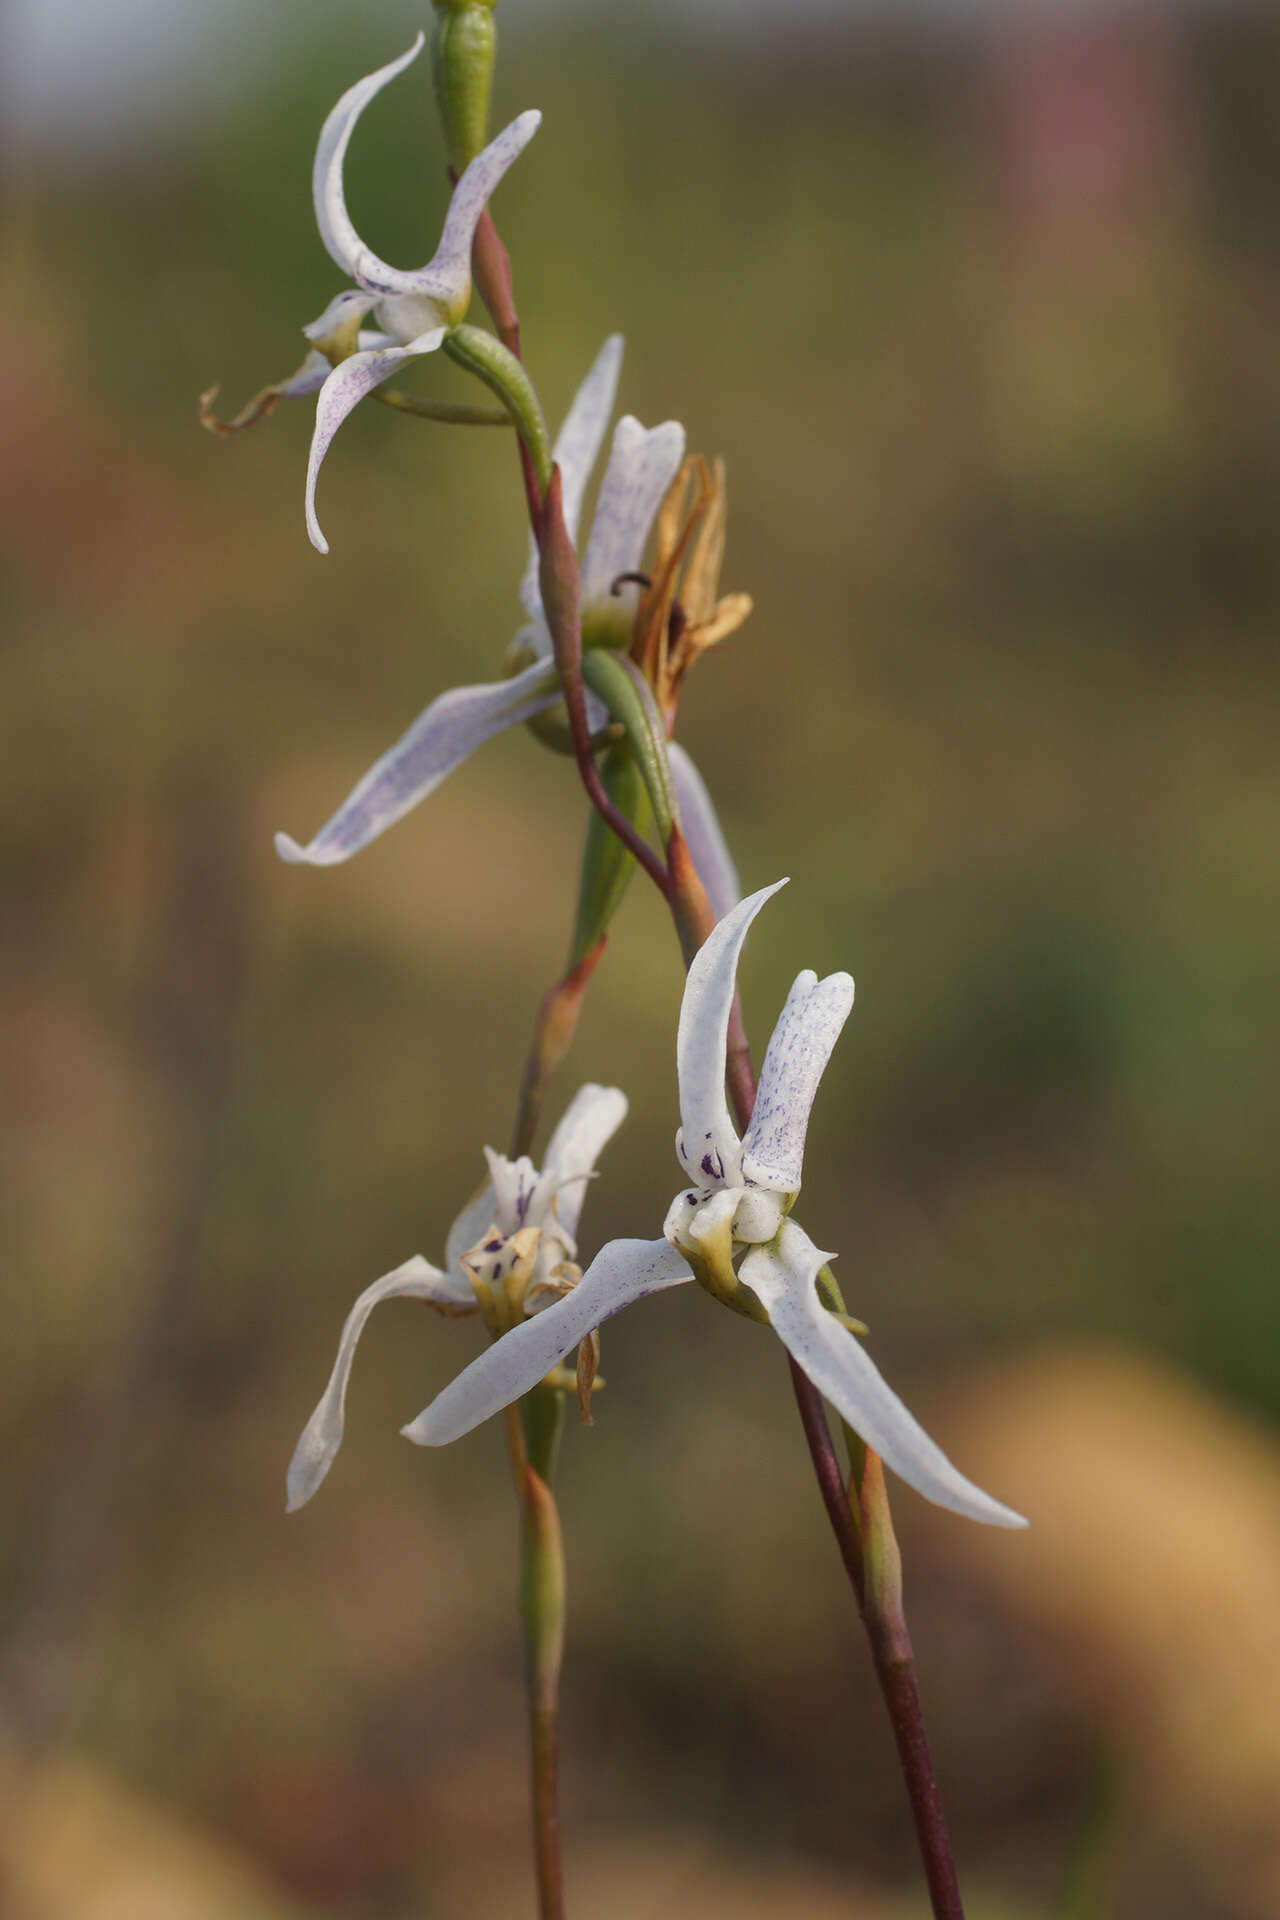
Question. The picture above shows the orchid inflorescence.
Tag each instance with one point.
(595, 671)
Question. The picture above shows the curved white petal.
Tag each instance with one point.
(439, 740)
(309, 378)
(417, 1279)
(708, 1143)
(642, 464)
(782, 1277)
(343, 311)
(698, 823)
(799, 1049)
(621, 1272)
(447, 275)
(575, 452)
(590, 1121)
(341, 241)
(345, 388)
(471, 1224)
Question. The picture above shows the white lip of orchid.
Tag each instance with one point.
(414, 309)
(738, 1205)
(547, 1203)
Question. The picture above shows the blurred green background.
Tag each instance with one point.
(983, 316)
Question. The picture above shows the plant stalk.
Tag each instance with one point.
(542, 1612)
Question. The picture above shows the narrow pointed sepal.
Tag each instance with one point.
(622, 1272)
(709, 1144)
(341, 241)
(314, 1454)
(783, 1277)
(344, 389)
(439, 740)
(448, 276)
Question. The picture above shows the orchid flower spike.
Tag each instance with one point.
(736, 1209)
(509, 1253)
(641, 466)
(413, 310)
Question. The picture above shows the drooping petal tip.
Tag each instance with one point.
(783, 1277)
(415, 1279)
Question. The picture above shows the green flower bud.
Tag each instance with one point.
(462, 59)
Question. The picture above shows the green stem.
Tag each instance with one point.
(541, 1423)
(449, 412)
(480, 353)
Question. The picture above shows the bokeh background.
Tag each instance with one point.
(982, 308)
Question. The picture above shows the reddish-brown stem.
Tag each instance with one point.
(552, 1037)
(542, 1594)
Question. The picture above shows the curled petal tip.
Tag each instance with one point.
(290, 851)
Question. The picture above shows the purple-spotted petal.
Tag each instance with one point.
(417, 1279)
(808, 1028)
(621, 1272)
(782, 1276)
(439, 740)
(642, 464)
(341, 241)
(701, 829)
(309, 378)
(448, 275)
(345, 388)
(708, 1143)
(590, 1121)
(575, 452)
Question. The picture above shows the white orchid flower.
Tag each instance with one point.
(509, 1252)
(413, 310)
(641, 466)
(737, 1208)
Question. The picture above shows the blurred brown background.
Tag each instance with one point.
(982, 311)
